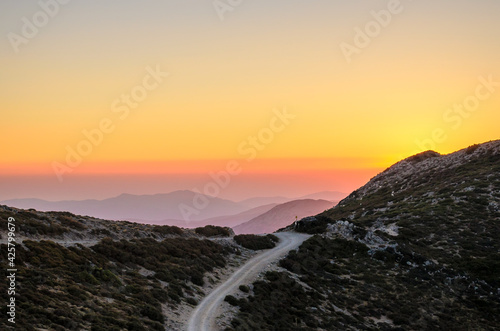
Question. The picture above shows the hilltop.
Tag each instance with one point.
(417, 247)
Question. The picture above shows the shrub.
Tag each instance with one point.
(471, 149)
(70, 222)
(85, 277)
(153, 313)
(197, 278)
(167, 229)
(231, 300)
(244, 288)
(192, 301)
(97, 232)
(255, 242)
(213, 231)
(318, 225)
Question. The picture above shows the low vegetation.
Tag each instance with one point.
(256, 242)
(115, 284)
(214, 231)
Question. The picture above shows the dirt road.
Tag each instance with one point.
(203, 317)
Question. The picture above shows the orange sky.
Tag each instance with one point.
(226, 82)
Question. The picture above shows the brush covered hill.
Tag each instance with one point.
(416, 248)
(282, 215)
(82, 273)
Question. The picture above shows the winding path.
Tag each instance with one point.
(203, 317)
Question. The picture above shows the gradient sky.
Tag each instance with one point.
(225, 79)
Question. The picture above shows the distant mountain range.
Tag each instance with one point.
(136, 207)
(225, 220)
(233, 220)
(324, 195)
(165, 208)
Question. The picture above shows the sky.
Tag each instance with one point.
(100, 98)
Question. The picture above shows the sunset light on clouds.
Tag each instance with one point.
(113, 97)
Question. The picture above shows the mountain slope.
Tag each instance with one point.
(234, 220)
(282, 216)
(82, 273)
(415, 248)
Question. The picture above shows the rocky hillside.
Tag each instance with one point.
(82, 273)
(417, 247)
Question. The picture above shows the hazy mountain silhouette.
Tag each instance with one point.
(283, 215)
(326, 195)
(260, 201)
(144, 207)
(234, 220)
(163, 208)
(224, 221)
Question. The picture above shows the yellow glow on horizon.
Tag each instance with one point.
(225, 80)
